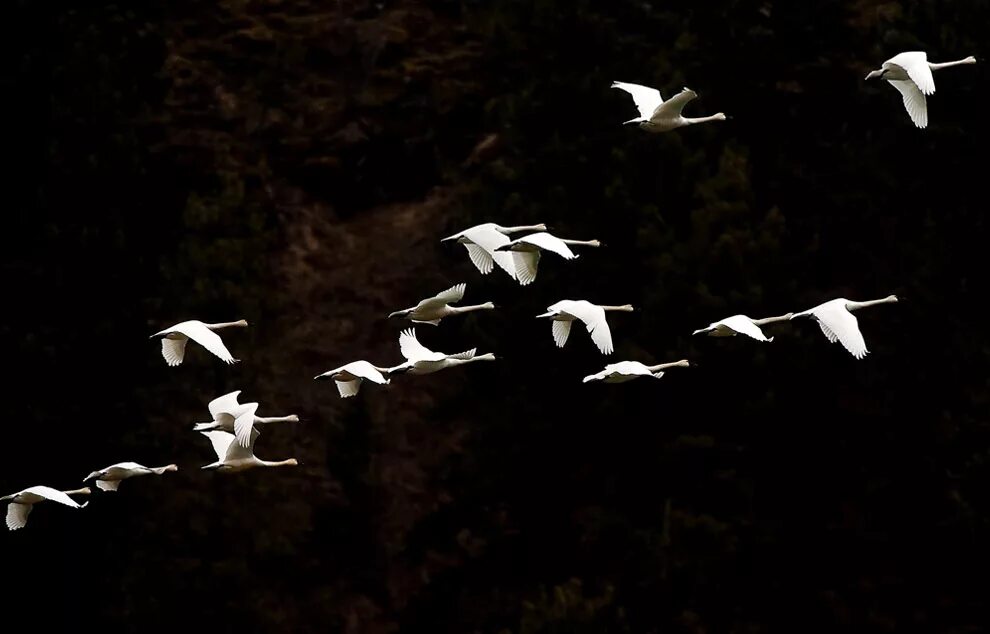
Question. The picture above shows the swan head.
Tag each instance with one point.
(876, 73)
(702, 331)
(170, 468)
(719, 116)
(95, 474)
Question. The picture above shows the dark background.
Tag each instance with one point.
(296, 163)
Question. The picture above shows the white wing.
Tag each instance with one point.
(174, 350)
(464, 356)
(915, 64)
(914, 101)
(221, 441)
(198, 332)
(673, 106)
(54, 495)
(17, 515)
(348, 388)
(480, 258)
(450, 296)
(561, 329)
(594, 319)
(365, 370)
(840, 325)
(413, 350)
(630, 368)
(244, 424)
(745, 326)
(489, 239)
(236, 452)
(525, 264)
(107, 485)
(647, 99)
(550, 243)
(226, 404)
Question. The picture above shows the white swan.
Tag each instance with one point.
(911, 74)
(422, 360)
(231, 457)
(349, 377)
(526, 252)
(741, 325)
(109, 479)
(839, 324)
(22, 502)
(433, 309)
(593, 316)
(628, 370)
(482, 240)
(238, 419)
(175, 338)
(657, 115)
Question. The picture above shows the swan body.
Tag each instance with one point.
(232, 457)
(911, 74)
(422, 360)
(526, 252)
(481, 242)
(566, 311)
(109, 479)
(174, 339)
(839, 324)
(349, 377)
(238, 419)
(741, 325)
(433, 309)
(23, 502)
(657, 115)
(624, 371)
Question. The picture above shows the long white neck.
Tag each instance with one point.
(683, 363)
(586, 243)
(454, 310)
(718, 116)
(958, 62)
(82, 491)
(539, 227)
(890, 299)
(240, 323)
(770, 320)
(626, 308)
(292, 418)
(291, 462)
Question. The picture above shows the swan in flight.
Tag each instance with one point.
(22, 502)
(433, 309)
(422, 360)
(482, 240)
(238, 419)
(628, 370)
(657, 115)
(109, 479)
(741, 325)
(231, 457)
(527, 249)
(839, 324)
(349, 377)
(593, 316)
(174, 339)
(911, 74)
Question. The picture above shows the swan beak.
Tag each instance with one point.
(874, 73)
(544, 315)
(699, 332)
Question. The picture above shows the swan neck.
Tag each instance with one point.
(291, 462)
(82, 491)
(240, 323)
(958, 62)
(683, 363)
(715, 117)
(771, 320)
(468, 309)
(292, 418)
(626, 308)
(890, 299)
(539, 227)
(585, 243)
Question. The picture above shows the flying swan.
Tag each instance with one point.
(349, 377)
(839, 324)
(482, 240)
(593, 316)
(657, 115)
(238, 419)
(109, 479)
(911, 74)
(624, 371)
(741, 325)
(23, 502)
(527, 249)
(231, 457)
(422, 360)
(433, 309)
(175, 338)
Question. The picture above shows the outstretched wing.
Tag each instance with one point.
(549, 242)
(594, 319)
(236, 452)
(452, 295)
(561, 329)
(226, 404)
(525, 264)
(244, 424)
(174, 350)
(464, 356)
(914, 101)
(840, 325)
(365, 370)
(915, 64)
(348, 389)
(745, 326)
(489, 239)
(480, 258)
(673, 106)
(647, 99)
(17, 515)
(54, 495)
(413, 350)
(220, 440)
(198, 332)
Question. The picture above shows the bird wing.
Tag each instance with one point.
(244, 424)
(174, 350)
(489, 239)
(451, 295)
(221, 441)
(198, 332)
(840, 325)
(225, 404)
(17, 515)
(365, 370)
(594, 319)
(745, 326)
(629, 368)
(550, 243)
(647, 99)
(561, 329)
(480, 258)
(525, 264)
(54, 495)
(413, 350)
(237, 452)
(914, 101)
(107, 485)
(915, 64)
(348, 389)
(464, 356)
(673, 106)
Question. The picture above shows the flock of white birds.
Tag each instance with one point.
(233, 430)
